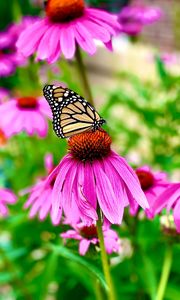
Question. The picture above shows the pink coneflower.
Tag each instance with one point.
(93, 176)
(87, 235)
(27, 114)
(134, 17)
(10, 59)
(153, 184)
(169, 199)
(4, 94)
(40, 195)
(68, 23)
(6, 197)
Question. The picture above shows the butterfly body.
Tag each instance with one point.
(72, 114)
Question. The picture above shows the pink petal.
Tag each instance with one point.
(89, 189)
(84, 246)
(129, 177)
(168, 197)
(30, 38)
(88, 213)
(103, 16)
(46, 206)
(3, 209)
(65, 165)
(7, 196)
(96, 31)
(109, 45)
(108, 202)
(67, 41)
(43, 50)
(117, 184)
(84, 38)
(176, 214)
(48, 162)
(68, 190)
(38, 204)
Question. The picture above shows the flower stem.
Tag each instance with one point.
(83, 76)
(165, 273)
(104, 260)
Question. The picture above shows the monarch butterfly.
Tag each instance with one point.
(72, 114)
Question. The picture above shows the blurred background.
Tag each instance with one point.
(137, 90)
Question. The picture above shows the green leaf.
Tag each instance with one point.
(95, 272)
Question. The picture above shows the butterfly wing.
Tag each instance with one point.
(72, 114)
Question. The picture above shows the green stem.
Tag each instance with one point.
(83, 76)
(98, 290)
(104, 260)
(165, 273)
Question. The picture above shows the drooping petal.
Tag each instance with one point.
(97, 31)
(84, 246)
(84, 38)
(38, 203)
(130, 179)
(67, 41)
(46, 206)
(167, 198)
(87, 212)
(108, 202)
(7, 196)
(43, 49)
(104, 16)
(89, 190)
(57, 189)
(30, 37)
(176, 214)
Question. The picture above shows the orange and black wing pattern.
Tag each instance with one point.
(72, 114)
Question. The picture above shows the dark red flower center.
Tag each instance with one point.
(3, 138)
(27, 102)
(64, 10)
(146, 179)
(89, 146)
(89, 232)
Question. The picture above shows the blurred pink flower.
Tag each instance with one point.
(3, 138)
(6, 197)
(153, 184)
(67, 24)
(87, 235)
(132, 18)
(169, 199)
(4, 94)
(25, 114)
(10, 59)
(93, 175)
(40, 198)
